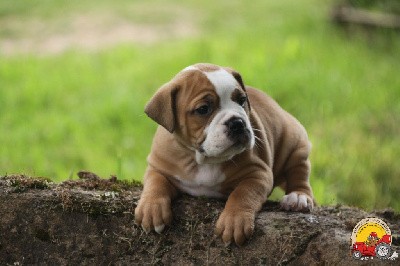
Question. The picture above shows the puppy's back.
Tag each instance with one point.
(284, 132)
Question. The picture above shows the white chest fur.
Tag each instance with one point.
(206, 181)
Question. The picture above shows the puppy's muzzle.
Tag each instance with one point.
(237, 130)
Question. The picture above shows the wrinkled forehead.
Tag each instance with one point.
(223, 82)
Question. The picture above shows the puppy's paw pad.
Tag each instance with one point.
(296, 201)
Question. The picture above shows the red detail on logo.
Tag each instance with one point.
(373, 246)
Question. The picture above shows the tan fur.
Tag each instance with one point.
(206, 67)
(279, 158)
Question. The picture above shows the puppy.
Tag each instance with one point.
(220, 138)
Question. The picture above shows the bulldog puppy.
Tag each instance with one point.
(219, 138)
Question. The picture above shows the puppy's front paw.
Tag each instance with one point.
(153, 214)
(237, 226)
(297, 201)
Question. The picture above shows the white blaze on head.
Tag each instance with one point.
(223, 82)
(189, 68)
(217, 144)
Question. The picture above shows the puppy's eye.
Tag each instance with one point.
(203, 110)
(242, 100)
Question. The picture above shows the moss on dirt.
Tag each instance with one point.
(91, 181)
(21, 183)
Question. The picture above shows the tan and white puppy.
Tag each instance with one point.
(221, 139)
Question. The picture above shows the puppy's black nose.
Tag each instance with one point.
(235, 126)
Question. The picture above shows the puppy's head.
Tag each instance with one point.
(207, 108)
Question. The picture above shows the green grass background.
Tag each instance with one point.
(60, 113)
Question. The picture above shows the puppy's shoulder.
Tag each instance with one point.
(167, 154)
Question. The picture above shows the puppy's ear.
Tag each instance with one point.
(238, 78)
(162, 106)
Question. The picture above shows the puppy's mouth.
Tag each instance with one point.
(237, 146)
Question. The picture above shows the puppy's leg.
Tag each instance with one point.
(236, 221)
(154, 208)
(299, 196)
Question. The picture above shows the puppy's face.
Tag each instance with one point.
(207, 108)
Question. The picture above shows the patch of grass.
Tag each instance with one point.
(84, 110)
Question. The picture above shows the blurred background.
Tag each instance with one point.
(75, 76)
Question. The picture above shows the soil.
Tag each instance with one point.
(90, 221)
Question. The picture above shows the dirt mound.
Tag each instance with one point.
(90, 221)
